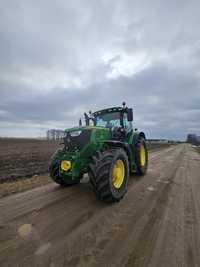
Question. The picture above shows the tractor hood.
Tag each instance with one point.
(78, 138)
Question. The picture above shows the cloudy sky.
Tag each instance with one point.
(61, 58)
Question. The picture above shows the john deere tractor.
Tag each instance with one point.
(107, 148)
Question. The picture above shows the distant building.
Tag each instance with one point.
(193, 139)
(55, 134)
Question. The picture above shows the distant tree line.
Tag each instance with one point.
(55, 134)
(193, 139)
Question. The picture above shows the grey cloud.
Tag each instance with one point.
(56, 58)
(160, 108)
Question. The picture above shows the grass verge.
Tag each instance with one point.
(155, 147)
(197, 149)
(23, 184)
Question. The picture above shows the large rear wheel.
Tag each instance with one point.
(109, 174)
(141, 156)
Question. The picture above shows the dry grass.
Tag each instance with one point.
(197, 149)
(155, 147)
(23, 184)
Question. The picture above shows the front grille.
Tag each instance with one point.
(73, 143)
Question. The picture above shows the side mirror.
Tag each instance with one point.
(87, 119)
(130, 114)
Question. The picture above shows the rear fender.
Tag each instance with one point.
(132, 142)
(136, 136)
(123, 145)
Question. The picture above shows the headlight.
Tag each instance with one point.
(75, 133)
(65, 165)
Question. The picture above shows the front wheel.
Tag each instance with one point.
(109, 174)
(57, 178)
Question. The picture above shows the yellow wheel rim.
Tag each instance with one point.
(118, 173)
(65, 165)
(142, 155)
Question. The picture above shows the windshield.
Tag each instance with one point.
(108, 120)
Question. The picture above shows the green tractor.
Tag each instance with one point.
(107, 148)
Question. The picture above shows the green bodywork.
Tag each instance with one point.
(99, 139)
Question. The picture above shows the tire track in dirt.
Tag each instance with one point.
(148, 237)
(177, 238)
(192, 215)
(140, 215)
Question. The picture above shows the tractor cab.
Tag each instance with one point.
(114, 117)
(117, 119)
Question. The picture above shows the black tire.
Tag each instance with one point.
(101, 174)
(57, 178)
(141, 165)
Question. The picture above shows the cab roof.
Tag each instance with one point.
(109, 110)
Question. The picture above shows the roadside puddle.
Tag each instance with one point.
(25, 230)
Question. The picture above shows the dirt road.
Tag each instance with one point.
(156, 224)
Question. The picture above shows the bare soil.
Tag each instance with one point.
(156, 224)
(24, 157)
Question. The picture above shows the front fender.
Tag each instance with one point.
(135, 137)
